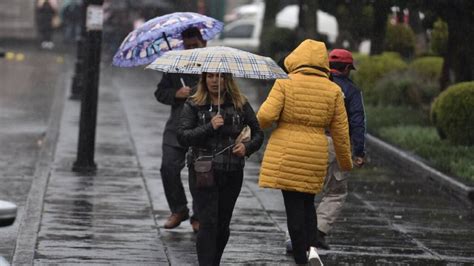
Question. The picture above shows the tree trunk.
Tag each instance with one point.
(271, 10)
(269, 17)
(301, 29)
(460, 53)
(311, 19)
(381, 11)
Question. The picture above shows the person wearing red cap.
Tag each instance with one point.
(335, 185)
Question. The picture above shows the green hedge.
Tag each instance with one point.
(400, 38)
(371, 69)
(277, 42)
(427, 68)
(379, 117)
(453, 113)
(406, 88)
(439, 37)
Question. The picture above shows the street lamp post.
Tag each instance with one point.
(78, 78)
(88, 119)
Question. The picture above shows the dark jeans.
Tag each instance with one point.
(215, 206)
(172, 163)
(302, 223)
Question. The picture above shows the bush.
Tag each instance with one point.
(277, 41)
(405, 88)
(453, 115)
(371, 69)
(427, 68)
(400, 38)
(439, 37)
(379, 117)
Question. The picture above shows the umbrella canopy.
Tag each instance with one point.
(161, 34)
(219, 59)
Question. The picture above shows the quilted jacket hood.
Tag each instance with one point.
(310, 57)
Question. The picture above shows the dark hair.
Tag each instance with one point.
(281, 62)
(191, 32)
(340, 66)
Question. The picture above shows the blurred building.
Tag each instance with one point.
(17, 19)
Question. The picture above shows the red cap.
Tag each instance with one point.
(341, 55)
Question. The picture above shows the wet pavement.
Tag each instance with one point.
(26, 96)
(116, 215)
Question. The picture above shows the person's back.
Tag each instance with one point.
(296, 157)
(309, 103)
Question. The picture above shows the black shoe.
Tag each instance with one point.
(321, 241)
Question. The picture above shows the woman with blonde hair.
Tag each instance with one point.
(211, 121)
(304, 107)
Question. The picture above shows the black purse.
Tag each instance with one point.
(204, 172)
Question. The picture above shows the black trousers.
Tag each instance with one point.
(172, 163)
(215, 206)
(302, 222)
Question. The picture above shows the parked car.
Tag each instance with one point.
(243, 32)
(7, 213)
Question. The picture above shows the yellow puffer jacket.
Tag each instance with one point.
(303, 107)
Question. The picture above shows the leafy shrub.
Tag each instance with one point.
(453, 115)
(371, 69)
(405, 88)
(427, 68)
(379, 117)
(439, 37)
(277, 41)
(400, 38)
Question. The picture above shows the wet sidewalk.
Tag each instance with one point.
(116, 215)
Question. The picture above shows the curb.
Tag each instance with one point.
(28, 230)
(404, 160)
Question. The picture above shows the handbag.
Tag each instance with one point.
(204, 172)
(244, 136)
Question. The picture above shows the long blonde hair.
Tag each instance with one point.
(202, 97)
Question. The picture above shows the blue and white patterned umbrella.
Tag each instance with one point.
(219, 59)
(161, 34)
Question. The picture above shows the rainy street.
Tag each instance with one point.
(116, 216)
(93, 136)
(30, 80)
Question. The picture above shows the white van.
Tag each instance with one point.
(244, 31)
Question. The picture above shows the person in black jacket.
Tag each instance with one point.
(44, 22)
(173, 90)
(212, 133)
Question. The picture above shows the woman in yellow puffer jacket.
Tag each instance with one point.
(296, 157)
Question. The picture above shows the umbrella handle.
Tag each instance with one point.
(182, 82)
(166, 40)
(219, 92)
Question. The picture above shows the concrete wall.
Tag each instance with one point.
(17, 19)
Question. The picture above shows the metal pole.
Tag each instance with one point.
(88, 120)
(78, 78)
